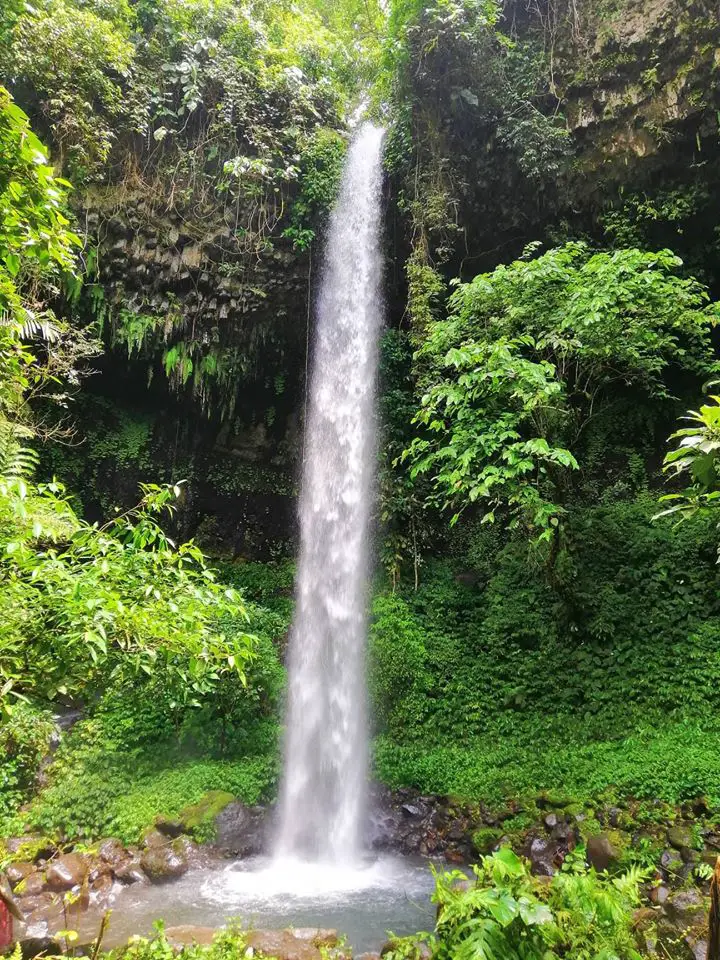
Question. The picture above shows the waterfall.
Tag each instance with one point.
(322, 798)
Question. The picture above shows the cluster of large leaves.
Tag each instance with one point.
(84, 605)
(532, 354)
(507, 914)
(696, 459)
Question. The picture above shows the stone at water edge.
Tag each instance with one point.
(17, 872)
(164, 862)
(185, 935)
(33, 884)
(195, 815)
(111, 851)
(67, 872)
(282, 945)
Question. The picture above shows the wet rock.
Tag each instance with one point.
(672, 863)
(102, 888)
(686, 907)
(318, 935)
(486, 839)
(98, 869)
(111, 851)
(33, 884)
(195, 815)
(185, 935)
(130, 872)
(240, 830)
(17, 872)
(164, 862)
(541, 854)
(699, 949)
(659, 894)
(550, 820)
(67, 872)
(680, 836)
(153, 838)
(410, 810)
(281, 944)
(603, 853)
(32, 947)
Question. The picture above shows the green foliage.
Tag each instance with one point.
(106, 603)
(74, 55)
(519, 684)
(398, 681)
(24, 741)
(140, 754)
(696, 457)
(531, 356)
(318, 180)
(507, 914)
(227, 944)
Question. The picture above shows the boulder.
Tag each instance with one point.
(153, 838)
(130, 871)
(681, 836)
(659, 894)
(281, 945)
(32, 947)
(318, 935)
(111, 851)
(240, 830)
(672, 863)
(66, 872)
(196, 816)
(33, 884)
(102, 888)
(541, 853)
(186, 935)
(164, 862)
(17, 872)
(486, 839)
(686, 908)
(604, 851)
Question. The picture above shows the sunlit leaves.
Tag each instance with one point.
(528, 359)
(113, 602)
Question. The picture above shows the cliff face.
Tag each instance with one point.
(600, 120)
(565, 111)
(639, 81)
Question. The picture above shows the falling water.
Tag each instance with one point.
(323, 792)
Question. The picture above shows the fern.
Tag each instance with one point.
(509, 915)
(16, 460)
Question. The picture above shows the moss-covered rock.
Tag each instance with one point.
(485, 839)
(197, 819)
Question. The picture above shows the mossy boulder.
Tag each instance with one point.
(605, 850)
(197, 819)
(681, 836)
(485, 839)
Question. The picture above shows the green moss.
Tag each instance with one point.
(485, 839)
(198, 818)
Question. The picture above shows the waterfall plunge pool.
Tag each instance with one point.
(390, 893)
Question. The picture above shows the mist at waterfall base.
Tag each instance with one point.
(318, 872)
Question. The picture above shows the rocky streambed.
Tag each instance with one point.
(200, 887)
